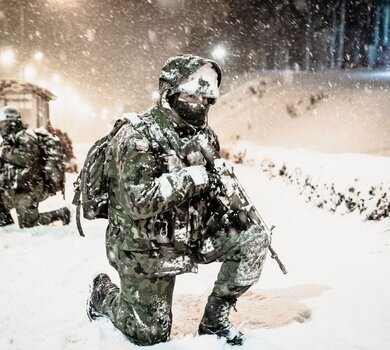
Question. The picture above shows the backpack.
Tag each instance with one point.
(91, 186)
(53, 161)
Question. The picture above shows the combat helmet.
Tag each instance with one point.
(180, 74)
(9, 114)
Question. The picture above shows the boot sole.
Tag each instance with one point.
(66, 220)
(235, 341)
(92, 315)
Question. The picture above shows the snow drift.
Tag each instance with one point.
(334, 296)
(328, 111)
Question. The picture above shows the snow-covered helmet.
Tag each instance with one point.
(9, 114)
(192, 75)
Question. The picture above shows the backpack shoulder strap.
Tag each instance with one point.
(126, 118)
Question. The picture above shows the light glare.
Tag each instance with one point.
(30, 72)
(38, 55)
(219, 52)
(56, 78)
(7, 57)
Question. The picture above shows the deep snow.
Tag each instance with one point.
(330, 111)
(335, 296)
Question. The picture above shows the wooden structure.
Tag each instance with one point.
(31, 100)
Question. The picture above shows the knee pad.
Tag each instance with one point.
(255, 239)
(253, 253)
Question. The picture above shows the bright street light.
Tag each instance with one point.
(7, 57)
(38, 56)
(219, 52)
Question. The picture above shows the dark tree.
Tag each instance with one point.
(306, 34)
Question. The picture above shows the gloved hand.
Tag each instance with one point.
(8, 139)
(198, 174)
(223, 167)
(4, 149)
(236, 219)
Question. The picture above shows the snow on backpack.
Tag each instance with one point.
(53, 156)
(91, 186)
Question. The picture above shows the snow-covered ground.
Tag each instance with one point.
(330, 111)
(335, 295)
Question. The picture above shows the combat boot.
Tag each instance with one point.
(98, 290)
(6, 219)
(5, 215)
(216, 320)
(65, 216)
(62, 214)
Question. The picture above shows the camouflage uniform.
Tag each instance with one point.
(21, 180)
(157, 223)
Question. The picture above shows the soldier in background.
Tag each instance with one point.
(21, 174)
(160, 202)
(66, 142)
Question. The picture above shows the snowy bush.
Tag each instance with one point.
(371, 201)
(339, 183)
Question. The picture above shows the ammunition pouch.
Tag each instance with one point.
(16, 178)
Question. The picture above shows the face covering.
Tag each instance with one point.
(10, 128)
(193, 113)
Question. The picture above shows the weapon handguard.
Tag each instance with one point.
(239, 200)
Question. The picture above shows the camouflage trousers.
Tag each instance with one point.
(142, 307)
(26, 207)
(5, 215)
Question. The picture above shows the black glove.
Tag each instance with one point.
(236, 219)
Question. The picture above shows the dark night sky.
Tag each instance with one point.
(109, 51)
(99, 55)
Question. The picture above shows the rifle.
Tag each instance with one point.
(233, 197)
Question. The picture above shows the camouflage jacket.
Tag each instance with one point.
(154, 200)
(21, 169)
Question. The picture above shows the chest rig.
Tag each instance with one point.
(181, 226)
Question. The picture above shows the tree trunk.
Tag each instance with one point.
(333, 39)
(340, 49)
(308, 34)
(376, 40)
(386, 25)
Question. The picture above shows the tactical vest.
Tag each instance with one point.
(181, 227)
